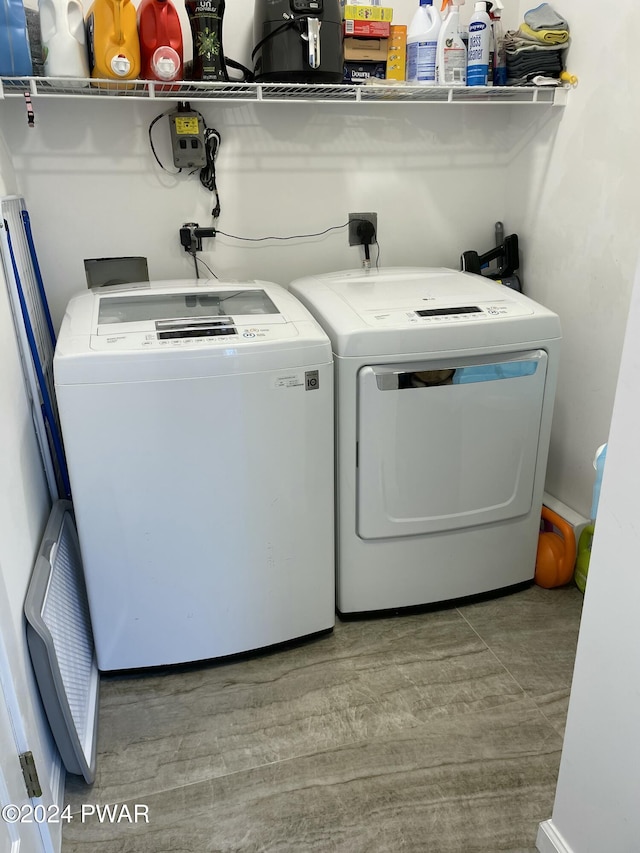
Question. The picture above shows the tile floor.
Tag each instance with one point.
(437, 732)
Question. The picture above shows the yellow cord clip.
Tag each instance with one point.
(571, 79)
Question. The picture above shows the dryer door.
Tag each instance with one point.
(447, 445)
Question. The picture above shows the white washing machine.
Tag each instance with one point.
(198, 426)
(445, 384)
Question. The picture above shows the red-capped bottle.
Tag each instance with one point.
(160, 33)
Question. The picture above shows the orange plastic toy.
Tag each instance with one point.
(556, 552)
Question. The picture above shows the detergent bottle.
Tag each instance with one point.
(160, 40)
(205, 18)
(586, 537)
(63, 38)
(112, 37)
(15, 57)
(422, 42)
(556, 555)
(451, 53)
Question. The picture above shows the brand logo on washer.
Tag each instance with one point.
(311, 380)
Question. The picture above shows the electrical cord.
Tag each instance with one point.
(204, 264)
(367, 234)
(289, 237)
(208, 268)
(290, 22)
(370, 233)
(212, 141)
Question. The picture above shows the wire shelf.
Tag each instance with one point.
(60, 87)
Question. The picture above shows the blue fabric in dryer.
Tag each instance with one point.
(493, 372)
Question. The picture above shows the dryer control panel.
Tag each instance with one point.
(438, 314)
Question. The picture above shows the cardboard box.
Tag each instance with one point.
(367, 13)
(397, 53)
(397, 36)
(367, 29)
(357, 73)
(365, 50)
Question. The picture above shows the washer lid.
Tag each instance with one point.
(138, 332)
(403, 310)
(190, 309)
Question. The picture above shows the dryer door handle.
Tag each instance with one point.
(429, 375)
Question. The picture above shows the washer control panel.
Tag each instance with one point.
(193, 337)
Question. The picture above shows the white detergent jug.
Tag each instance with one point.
(63, 38)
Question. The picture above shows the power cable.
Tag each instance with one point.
(374, 237)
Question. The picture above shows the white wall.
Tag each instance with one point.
(596, 806)
(434, 174)
(574, 201)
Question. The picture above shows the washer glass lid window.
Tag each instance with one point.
(140, 308)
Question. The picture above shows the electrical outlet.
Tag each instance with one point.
(354, 220)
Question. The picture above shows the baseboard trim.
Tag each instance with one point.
(549, 839)
(577, 521)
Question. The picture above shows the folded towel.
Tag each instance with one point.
(544, 36)
(544, 17)
(550, 68)
(514, 42)
(528, 65)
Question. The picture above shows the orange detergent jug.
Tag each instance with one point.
(112, 37)
(160, 40)
(556, 552)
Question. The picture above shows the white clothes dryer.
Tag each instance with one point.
(445, 384)
(198, 426)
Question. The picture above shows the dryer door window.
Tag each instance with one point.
(447, 445)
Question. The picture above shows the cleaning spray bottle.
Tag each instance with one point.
(422, 44)
(478, 51)
(451, 54)
(499, 51)
(112, 37)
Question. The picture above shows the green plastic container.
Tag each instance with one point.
(584, 556)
